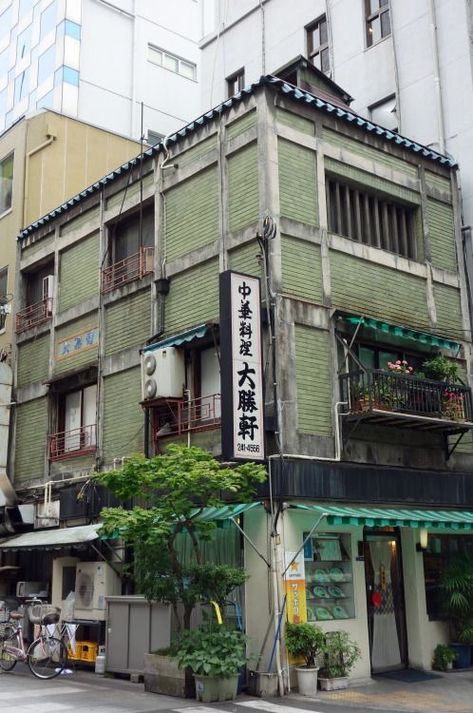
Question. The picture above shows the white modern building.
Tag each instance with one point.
(407, 64)
(100, 61)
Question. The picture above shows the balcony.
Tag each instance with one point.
(34, 315)
(70, 444)
(384, 398)
(174, 417)
(131, 268)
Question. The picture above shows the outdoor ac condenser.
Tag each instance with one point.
(94, 582)
(163, 373)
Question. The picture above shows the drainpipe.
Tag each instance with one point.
(436, 70)
(28, 155)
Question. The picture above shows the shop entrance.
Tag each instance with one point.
(385, 598)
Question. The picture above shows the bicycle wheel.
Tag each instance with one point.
(47, 657)
(7, 638)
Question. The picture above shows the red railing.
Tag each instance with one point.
(173, 417)
(69, 444)
(33, 315)
(131, 268)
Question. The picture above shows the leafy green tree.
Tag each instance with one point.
(170, 493)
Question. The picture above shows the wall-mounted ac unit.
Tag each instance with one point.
(94, 582)
(63, 580)
(162, 373)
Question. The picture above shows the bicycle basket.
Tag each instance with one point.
(37, 612)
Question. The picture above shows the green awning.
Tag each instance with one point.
(403, 332)
(182, 338)
(225, 512)
(461, 520)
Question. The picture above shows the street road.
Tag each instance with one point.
(84, 692)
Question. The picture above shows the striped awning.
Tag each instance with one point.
(395, 330)
(182, 338)
(357, 515)
(52, 539)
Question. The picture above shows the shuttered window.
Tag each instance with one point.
(371, 219)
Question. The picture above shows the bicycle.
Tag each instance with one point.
(46, 656)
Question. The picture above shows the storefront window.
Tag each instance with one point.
(441, 549)
(329, 577)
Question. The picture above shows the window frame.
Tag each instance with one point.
(385, 222)
(235, 80)
(370, 17)
(59, 436)
(312, 51)
(434, 564)
(154, 51)
(9, 157)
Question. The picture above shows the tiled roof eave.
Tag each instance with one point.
(291, 91)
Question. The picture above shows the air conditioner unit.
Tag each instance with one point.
(63, 580)
(94, 582)
(163, 373)
(48, 292)
(28, 589)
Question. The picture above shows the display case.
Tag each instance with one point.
(329, 577)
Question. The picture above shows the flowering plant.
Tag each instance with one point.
(400, 367)
(452, 404)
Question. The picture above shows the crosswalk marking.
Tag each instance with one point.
(263, 705)
(57, 691)
(257, 703)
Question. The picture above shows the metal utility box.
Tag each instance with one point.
(134, 627)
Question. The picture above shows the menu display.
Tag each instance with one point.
(329, 577)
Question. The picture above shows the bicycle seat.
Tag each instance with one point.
(16, 615)
(51, 618)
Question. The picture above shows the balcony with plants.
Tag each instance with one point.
(431, 399)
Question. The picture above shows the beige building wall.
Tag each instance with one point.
(55, 157)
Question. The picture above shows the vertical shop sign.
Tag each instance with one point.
(294, 582)
(241, 367)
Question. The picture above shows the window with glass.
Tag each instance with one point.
(329, 577)
(441, 550)
(371, 218)
(6, 183)
(317, 44)
(48, 20)
(76, 421)
(5, 23)
(235, 82)
(46, 64)
(170, 61)
(3, 294)
(378, 21)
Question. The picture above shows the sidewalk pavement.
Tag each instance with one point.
(450, 692)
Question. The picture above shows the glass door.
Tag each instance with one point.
(385, 596)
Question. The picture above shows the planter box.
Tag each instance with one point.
(333, 684)
(162, 675)
(463, 653)
(262, 684)
(212, 690)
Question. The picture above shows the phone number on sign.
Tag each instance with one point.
(248, 447)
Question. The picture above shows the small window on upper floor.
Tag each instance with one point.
(130, 249)
(371, 219)
(3, 294)
(317, 44)
(6, 183)
(170, 61)
(384, 113)
(378, 20)
(235, 82)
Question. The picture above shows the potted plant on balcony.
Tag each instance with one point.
(176, 488)
(215, 654)
(457, 585)
(439, 368)
(340, 655)
(307, 641)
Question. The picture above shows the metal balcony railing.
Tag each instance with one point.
(173, 417)
(33, 315)
(379, 390)
(131, 268)
(69, 444)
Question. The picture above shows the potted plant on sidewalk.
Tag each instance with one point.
(215, 654)
(443, 657)
(457, 586)
(307, 641)
(340, 655)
